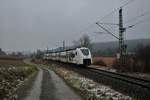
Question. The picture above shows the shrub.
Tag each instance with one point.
(139, 62)
(99, 62)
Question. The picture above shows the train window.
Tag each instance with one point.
(85, 51)
(72, 55)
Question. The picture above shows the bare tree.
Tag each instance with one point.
(39, 54)
(85, 41)
(143, 56)
(2, 52)
(76, 43)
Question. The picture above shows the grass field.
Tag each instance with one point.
(17, 63)
(12, 73)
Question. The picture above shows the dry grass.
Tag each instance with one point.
(107, 60)
(16, 63)
(12, 73)
(8, 57)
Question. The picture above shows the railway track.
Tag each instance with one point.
(133, 80)
(132, 86)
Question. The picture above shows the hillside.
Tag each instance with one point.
(106, 48)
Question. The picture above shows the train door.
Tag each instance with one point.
(78, 57)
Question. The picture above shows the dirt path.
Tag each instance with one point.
(49, 86)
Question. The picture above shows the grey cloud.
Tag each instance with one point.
(32, 24)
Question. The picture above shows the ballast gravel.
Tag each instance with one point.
(87, 88)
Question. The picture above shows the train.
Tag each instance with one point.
(78, 56)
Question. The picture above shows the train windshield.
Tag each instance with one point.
(85, 52)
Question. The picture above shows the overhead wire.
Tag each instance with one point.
(137, 17)
(142, 21)
(130, 1)
(110, 13)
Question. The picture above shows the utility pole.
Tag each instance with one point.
(122, 46)
(63, 44)
(47, 49)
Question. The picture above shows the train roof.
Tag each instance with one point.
(61, 50)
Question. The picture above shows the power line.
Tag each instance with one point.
(110, 23)
(142, 21)
(99, 20)
(130, 1)
(110, 13)
(87, 27)
(107, 31)
(137, 17)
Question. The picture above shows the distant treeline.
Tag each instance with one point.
(111, 48)
(11, 56)
(109, 52)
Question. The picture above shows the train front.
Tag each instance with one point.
(85, 56)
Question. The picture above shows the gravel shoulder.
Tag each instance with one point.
(135, 74)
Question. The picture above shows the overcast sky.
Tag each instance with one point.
(35, 24)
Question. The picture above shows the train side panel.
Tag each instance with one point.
(80, 56)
